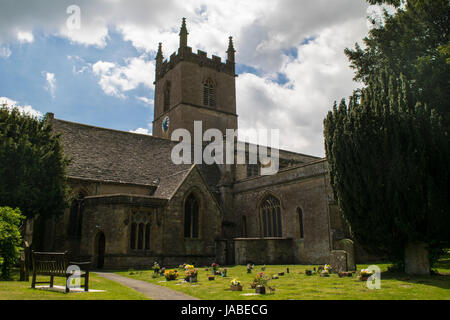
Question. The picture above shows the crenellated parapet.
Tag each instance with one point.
(200, 58)
(185, 54)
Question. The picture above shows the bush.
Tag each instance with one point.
(10, 239)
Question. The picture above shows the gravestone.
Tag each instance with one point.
(338, 261)
(416, 259)
(348, 246)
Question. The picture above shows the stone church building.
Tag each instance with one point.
(131, 205)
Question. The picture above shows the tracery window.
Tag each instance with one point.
(191, 214)
(271, 217)
(209, 93)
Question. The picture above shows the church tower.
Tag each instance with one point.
(192, 87)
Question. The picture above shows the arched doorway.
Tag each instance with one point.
(100, 250)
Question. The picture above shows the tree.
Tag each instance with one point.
(32, 166)
(10, 239)
(413, 42)
(389, 149)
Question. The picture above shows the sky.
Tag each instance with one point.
(92, 61)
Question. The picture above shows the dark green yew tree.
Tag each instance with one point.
(389, 148)
(32, 165)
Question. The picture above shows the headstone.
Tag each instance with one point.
(338, 261)
(348, 246)
(416, 259)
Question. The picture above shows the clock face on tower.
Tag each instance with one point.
(165, 124)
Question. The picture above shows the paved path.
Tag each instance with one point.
(152, 291)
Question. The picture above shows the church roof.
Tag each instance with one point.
(124, 157)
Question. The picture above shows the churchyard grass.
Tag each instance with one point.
(17, 290)
(297, 285)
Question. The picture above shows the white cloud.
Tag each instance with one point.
(317, 77)
(27, 109)
(79, 64)
(115, 79)
(51, 83)
(25, 37)
(5, 52)
(142, 131)
(146, 100)
(266, 34)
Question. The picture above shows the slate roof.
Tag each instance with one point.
(124, 157)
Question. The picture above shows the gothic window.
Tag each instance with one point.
(141, 236)
(76, 216)
(166, 96)
(271, 217)
(300, 222)
(252, 170)
(147, 236)
(191, 213)
(133, 236)
(209, 93)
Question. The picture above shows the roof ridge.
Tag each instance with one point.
(113, 130)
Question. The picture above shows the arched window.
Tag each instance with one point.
(76, 216)
(147, 236)
(166, 96)
(141, 236)
(133, 236)
(191, 212)
(209, 93)
(300, 222)
(271, 217)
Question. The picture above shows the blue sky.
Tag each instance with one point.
(290, 59)
(77, 96)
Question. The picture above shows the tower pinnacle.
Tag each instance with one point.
(183, 34)
(159, 58)
(231, 50)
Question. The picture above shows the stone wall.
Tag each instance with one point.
(264, 251)
(302, 187)
(184, 250)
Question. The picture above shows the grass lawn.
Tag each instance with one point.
(298, 286)
(16, 290)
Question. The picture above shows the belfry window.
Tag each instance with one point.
(209, 93)
(271, 217)
(166, 96)
(191, 213)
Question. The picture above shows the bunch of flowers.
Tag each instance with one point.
(261, 279)
(366, 272)
(327, 267)
(171, 274)
(188, 266)
(156, 267)
(223, 272)
(235, 283)
(191, 272)
(214, 266)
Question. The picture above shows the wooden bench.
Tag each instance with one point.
(55, 264)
